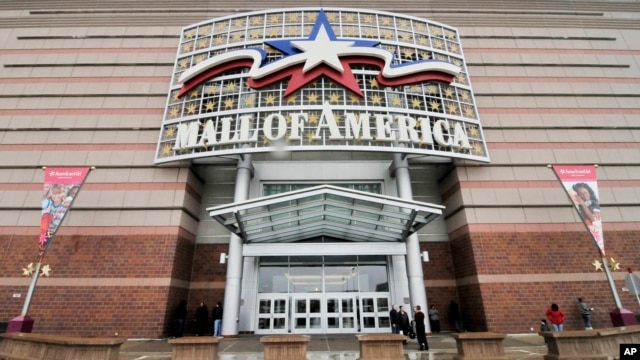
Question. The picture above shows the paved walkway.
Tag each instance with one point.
(335, 347)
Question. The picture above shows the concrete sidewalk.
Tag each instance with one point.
(336, 347)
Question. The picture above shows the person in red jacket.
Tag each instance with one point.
(556, 317)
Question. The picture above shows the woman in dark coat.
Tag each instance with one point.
(201, 319)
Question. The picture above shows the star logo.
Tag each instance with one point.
(321, 54)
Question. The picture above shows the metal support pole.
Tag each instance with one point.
(32, 289)
(612, 284)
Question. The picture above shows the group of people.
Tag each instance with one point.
(400, 323)
(556, 317)
(201, 319)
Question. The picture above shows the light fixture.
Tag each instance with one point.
(223, 258)
(425, 256)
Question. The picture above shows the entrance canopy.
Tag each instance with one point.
(325, 210)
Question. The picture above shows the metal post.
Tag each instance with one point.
(612, 284)
(32, 289)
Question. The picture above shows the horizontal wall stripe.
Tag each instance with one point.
(551, 110)
(102, 186)
(84, 50)
(97, 231)
(563, 145)
(78, 147)
(95, 282)
(87, 111)
(74, 80)
(541, 278)
(541, 184)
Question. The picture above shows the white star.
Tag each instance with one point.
(322, 50)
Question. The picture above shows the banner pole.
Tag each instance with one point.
(614, 291)
(32, 288)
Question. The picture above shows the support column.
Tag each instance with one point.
(400, 169)
(233, 286)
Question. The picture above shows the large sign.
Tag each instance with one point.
(320, 79)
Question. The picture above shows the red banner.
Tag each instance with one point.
(61, 186)
(581, 185)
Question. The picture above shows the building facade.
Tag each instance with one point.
(219, 177)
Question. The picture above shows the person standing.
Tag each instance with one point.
(216, 314)
(420, 329)
(556, 317)
(394, 317)
(201, 318)
(454, 315)
(434, 319)
(404, 322)
(178, 319)
(585, 311)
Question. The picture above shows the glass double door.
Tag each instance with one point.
(322, 313)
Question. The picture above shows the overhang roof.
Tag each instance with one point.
(325, 210)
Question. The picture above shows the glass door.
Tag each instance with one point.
(306, 314)
(273, 314)
(342, 315)
(374, 313)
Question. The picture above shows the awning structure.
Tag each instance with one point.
(325, 210)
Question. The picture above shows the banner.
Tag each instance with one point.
(61, 186)
(581, 185)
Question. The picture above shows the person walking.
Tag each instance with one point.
(434, 319)
(201, 318)
(395, 319)
(420, 329)
(556, 317)
(585, 312)
(216, 314)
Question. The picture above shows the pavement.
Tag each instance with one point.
(335, 347)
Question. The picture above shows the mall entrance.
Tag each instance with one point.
(323, 295)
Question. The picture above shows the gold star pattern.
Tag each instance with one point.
(432, 89)
(183, 64)
(408, 53)
(452, 109)
(598, 265)
(310, 138)
(373, 83)
(292, 31)
(436, 31)
(457, 62)
(219, 40)
(313, 118)
(255, 34)
(186, 47)
(166, 150)
(351, 32)
(294, 18)
(421, 27)
(423, 41)
(312, 98)
(174, 111)
(386, 22)
(334, 97)
(269, 99)
(434, 105)
(461, 78)
(613, 264)
(448, 92)
(312, 17)
(203, 43)
(291, 99)
(404, 24)
(416, 103)
(204, 31)
(388, 35)
(454, 49)
(464, 95)
(256, 20)
(237, 37)
(438, 44)
(194, 93)
(477, 149)
(211, 89)
(331, 17)
(369, 33)
(274, 19)
(395, 101)
(405, 37)
(229, 103)
(28, 271)
(220, 27)
(190, 34)
(349, 18)
(265, 140)
(355, 99)
(239, 22)
(199, 59)
(169, 132)
(273, 33)
(45, 270)
(468, 112)
(376, 99)
(249, 101)
(174, 96)
(209, 106)
(368, 19)
(231, 87)
(474, 131)
(191, 109)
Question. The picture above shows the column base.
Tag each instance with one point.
(622, 317)
(20, 323)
